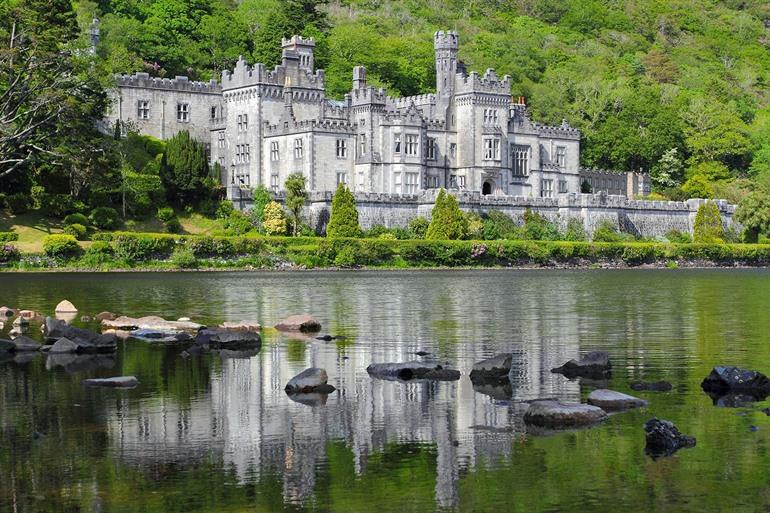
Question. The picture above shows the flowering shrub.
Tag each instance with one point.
(478, 250)
(9, 253)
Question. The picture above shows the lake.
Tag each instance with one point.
(216, 433)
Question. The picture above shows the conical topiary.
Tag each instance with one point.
(344, 218)
(447, 220)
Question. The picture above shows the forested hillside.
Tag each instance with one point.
(677, 87)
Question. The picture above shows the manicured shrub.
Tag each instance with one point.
(76, 218)
(132, 247)
(99, 247)
(61, 246)
(708, 228)
(184, 258)
(18, 203)
(184, 169)
(105, 218)
(237, 224)
(447, 220)
(418, 227)
(76, 230)
(8, 253)
(344, 218)
(275, 221)
(8, 237)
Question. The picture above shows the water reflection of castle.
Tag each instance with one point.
(247, 420)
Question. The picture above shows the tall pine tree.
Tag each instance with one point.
(184, 169)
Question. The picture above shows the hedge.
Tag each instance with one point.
(8, 237)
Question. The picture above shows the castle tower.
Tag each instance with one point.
(359, 77)
(446, 45)
(304, 48)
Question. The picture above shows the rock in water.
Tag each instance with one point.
(309, 381)
(559, 415)
(151, 322)
(219, 338)
(117, 382)
(595, 364)
(241, 326)
(492, 369)
(105, 316)
(664, 439)
(23, 343)
(64, 345)
(412, 370)
(727, 380)
(301, 323)
(655, 386)
(65, 307)
(609, 400)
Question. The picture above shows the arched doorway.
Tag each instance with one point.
(486, 189)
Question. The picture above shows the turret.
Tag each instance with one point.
(359, 77)
(303, 47)
(446, 45)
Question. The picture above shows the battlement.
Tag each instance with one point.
(178, 83)
(244, 75)
(311, 125)
(418, 100)
(488, 83)
(297, 41)
(585, 171)
(368, 95)
(448, 40)
(563, 131)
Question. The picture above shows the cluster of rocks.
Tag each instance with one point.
(732, 386)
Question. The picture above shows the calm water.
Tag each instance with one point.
(207, 433)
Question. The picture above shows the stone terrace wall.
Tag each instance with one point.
(639, 217)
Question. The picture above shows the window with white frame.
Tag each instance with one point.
(490, 116)
(362, 144)
(242, 121)
(411, 183)
(491, 148)
(432, 182)
(397, 183)
(246, 153)
(183, 112)
(546, 188)
(274, 182)
(342, 178)
(297, 148)
(561, 156)
(275, 152)
(342, 149)
(430, 148)
(143, 109)
(520, 159)
(238, 154)
(412, 146)
(461, 182)
(563, 189)
(453, 150)
(221, 139)
(397, 143)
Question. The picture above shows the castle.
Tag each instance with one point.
(261, 125)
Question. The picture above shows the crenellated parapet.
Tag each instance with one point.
(487, 83)
(419, 100)
(368, 95)
(338, 126)
(178, 83)
(563, 131)
(446, 40)
(244, 75)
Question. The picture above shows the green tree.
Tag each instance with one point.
(296, 196)
(344, 218)
(274, 222)
(184, 169)
(289, 17)
(667, 172)
(753, 213)
(261, 198)
(708, 224)
(447, 220)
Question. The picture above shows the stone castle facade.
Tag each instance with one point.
(261, 125)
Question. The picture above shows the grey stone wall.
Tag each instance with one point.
(639, 217)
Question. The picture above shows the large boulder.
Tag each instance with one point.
(151, 322)
(218, 338)
(65, 307)
(74, 363)
(301, 323)
(7, 346)
(312, 380)
(595, 365)
(561, 415)
(654, 386)
(609, 400)
(22, 343)
(492, 369)
(412, 370)
(664, 439)
(116, 382)
(734, 380)
(87, 341)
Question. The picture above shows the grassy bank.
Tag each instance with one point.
(139, 251)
